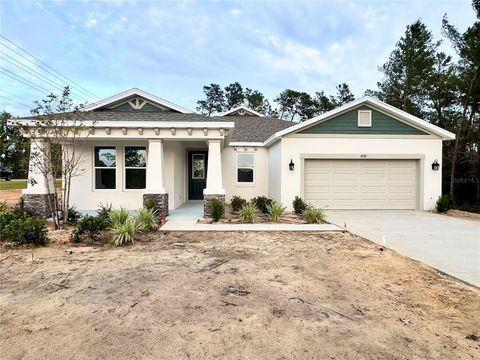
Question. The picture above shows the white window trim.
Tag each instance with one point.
(369, 112)
(204, 169)
(101, 167)
(240, 183)
(125, 167)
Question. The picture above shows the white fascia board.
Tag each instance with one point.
(444, 134)
(138, 124)
(241, 108)
(244, 143)
(132, 92)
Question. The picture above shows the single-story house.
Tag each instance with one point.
(363, 155)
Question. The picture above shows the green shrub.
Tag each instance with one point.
(299, 206)
(275, 211)
(4, 207)
(118, 216)
(124, 232)
(445, 203)
(73, 216)
(314, 216)
(91, 226)
(104, 210)
(248, 213)
(151, 204)
(27, 230)
(261, 202)
(217, 209)
(6, 217)
(147, 219)
(238, 202)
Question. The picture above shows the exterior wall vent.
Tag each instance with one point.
(364, 118)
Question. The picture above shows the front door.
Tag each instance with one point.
(197, 174)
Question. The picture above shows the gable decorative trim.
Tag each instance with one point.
(154, 100)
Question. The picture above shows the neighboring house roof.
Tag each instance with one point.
(375, 103)
(241, 111)
(253, 128)
(123, 96)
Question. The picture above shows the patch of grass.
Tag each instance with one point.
(21, 184)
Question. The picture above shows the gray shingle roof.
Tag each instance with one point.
(247, 128)
(254, 128)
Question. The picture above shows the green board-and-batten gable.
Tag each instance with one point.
(347, 123)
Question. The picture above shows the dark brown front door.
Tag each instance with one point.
(197, 174)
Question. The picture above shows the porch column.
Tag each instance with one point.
(36, 195)
(214, 189)
(155, 188)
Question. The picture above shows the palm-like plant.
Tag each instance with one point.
(275, 211)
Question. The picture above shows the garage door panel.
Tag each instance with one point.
(374, 177)
(361, 184)
(402, 190)
(318, 177)
(373, 164)
(372, 203)
(345, 203)
(373, 190)
(345, 164)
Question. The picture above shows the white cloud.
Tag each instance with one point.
(91, 23)
(236, 12)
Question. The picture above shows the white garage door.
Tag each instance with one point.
(361, 184)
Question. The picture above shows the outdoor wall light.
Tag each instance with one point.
(291, 166)
(435, 165)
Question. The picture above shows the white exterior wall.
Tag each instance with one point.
(430, 148)
(274, 171)
(85, 197)
(260, 174)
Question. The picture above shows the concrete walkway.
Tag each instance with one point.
(193, 225)
(451, 245)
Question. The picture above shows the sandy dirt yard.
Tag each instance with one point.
(232, 296)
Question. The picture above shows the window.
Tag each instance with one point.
(135, 167)
(245, 165)
(364, 118)
(105, 167)
(198, 166)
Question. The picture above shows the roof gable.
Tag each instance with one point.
(347, 123)
(136, 99)
(241, 111)
(378, 105)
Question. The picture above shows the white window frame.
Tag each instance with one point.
(244, 183)
(125, 167)
(94, 184)
(369, 112)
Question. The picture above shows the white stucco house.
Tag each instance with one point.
(363, 155)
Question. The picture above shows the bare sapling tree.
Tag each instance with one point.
(57, 130)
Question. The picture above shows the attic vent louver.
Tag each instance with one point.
(364, 118)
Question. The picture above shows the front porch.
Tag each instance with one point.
(189, 210)
(182, 175)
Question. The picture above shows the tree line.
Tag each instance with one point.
(292, 105)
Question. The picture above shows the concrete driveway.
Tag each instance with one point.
(449, 244)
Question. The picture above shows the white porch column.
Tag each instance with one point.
(214, 189)
(155, 176)
(36, 195)
(155, 167)
(214, 169)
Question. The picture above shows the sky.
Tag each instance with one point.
(171, 49)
